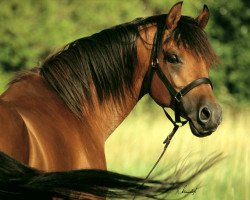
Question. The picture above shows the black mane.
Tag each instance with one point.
(107, 60)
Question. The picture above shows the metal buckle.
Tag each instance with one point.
(178, 97)
(155, 63)
(181, 123)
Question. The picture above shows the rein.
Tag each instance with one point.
(176, 96)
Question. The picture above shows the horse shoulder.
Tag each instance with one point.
(14, 139)
(58, 140)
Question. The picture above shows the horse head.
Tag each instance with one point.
(178, 76)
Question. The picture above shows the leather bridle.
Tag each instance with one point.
(176, 96)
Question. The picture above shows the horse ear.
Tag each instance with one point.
(203, 18)
(174, 16)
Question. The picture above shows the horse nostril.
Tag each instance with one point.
(204, 114)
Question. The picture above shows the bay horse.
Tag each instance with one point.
(57, 117)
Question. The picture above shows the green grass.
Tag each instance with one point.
(135, 145)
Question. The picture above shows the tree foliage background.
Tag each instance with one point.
(31, 29)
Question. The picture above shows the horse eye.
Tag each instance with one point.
(172, 58)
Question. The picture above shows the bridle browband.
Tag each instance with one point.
(176, 96)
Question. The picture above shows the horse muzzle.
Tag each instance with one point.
(206, 120)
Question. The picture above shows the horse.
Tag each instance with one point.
(56, 118)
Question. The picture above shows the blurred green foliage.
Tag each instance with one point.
(31, 29)
(230, 35)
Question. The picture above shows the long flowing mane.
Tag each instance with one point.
(107, 60)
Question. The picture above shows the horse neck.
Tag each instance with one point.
(105, 117)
